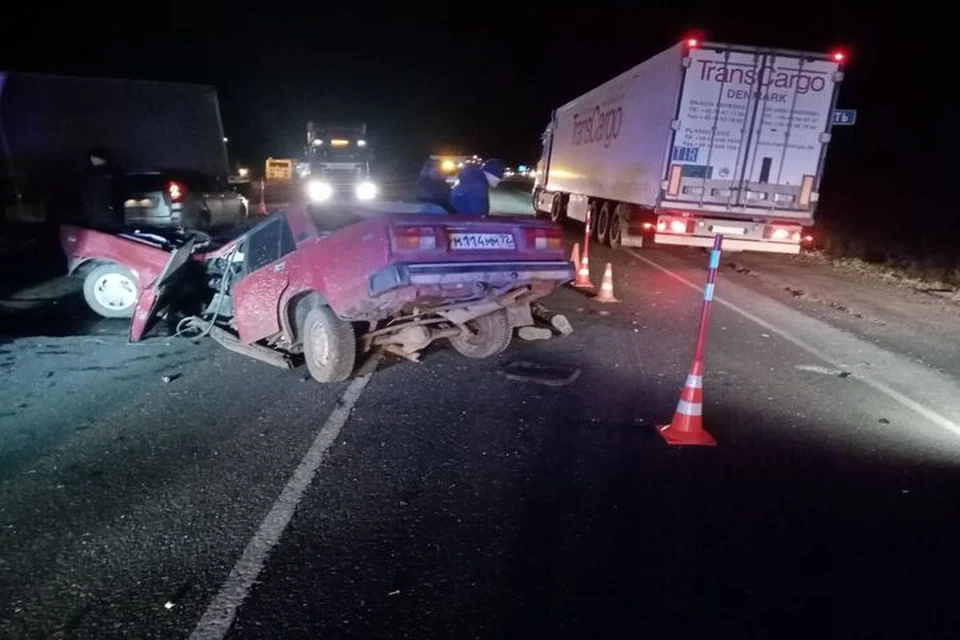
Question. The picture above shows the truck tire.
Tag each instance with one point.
(603, 223)
(111, 291)
(492, 334)
(329, 345)
(558, 212)
(616, 226)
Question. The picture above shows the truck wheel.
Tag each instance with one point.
(616, 227)
(491, 336)
(111, 291)
(329, 345)
(603, 223)
(557, 211)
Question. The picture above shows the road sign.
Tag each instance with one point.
(844, 117)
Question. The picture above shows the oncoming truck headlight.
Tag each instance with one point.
(318, 191)
(366, 190)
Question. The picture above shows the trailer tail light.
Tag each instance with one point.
(838, 56)
(807, 239)
(661, 225)
(673, 183)
(545, 238)
(779, 233)
(649, 225)
(678, 226)
(692, 43)
(806, 191)
(175, 190)
(415, 238)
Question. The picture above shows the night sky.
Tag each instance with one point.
(483, 77)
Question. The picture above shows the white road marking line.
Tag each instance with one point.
(931, 415)
(222, 610)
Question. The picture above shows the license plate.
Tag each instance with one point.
(737, 231)
(481, 241)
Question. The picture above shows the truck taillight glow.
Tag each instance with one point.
(692, 43)
(175, 190)
(678, 226)
(415, 238)
(838, 56)
(545, 239)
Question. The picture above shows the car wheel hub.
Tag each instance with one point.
(115, 291)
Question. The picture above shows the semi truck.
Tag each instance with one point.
(48, 125)
(336, 164)
(702, 139)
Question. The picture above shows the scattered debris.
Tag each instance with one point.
(883, 421)
(171, 377)
(168, 605)
(546, 374)
(534, 333)
(395, 592)
(815, 368)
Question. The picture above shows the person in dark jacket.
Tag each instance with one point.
(101, 206)
(470, 194)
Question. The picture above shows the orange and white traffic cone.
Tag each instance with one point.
(575, 256)
(606, 286)
(262, 207)
(686, 428)
(583, 274)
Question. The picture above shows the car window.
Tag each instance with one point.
(144, 182)
(268, 242)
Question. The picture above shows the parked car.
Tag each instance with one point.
(321, 283)
(181, 198)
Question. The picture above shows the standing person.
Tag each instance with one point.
(101, 205)
(470, 194)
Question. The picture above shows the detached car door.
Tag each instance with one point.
(257, 294)
(154, 297)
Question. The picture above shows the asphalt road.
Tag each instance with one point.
(166, 488)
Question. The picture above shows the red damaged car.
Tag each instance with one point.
(322, 283)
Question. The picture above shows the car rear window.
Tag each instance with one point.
(145, 182)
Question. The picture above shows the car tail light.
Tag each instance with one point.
(545, 238)
(415, 238)
(175, 190)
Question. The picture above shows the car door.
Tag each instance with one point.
(256, 295)
(154, 297)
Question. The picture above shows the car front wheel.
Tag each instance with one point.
(111, 291)
(329, 345)
(491, 334)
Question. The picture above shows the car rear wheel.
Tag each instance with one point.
(491, 335)
(111, 291)
(329, 345)
(603, 223)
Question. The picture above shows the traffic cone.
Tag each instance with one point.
(262, 207)
(583, 274)
(606, 286)
(686, 428)
(575, 256)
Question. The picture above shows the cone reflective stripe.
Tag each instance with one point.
(606, 287)
(686, 428)
(262, 207)
(583, 274)
(575, 256)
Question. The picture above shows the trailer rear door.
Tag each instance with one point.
(751, 131)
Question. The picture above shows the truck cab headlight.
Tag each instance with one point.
(318, 191)
(366, 190)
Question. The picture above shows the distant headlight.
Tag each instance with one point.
(366, 190)
(319, 191)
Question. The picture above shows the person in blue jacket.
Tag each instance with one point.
(470, 194)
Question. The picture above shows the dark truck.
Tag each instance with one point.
(48, 125)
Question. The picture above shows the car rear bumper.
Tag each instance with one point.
(460, 274)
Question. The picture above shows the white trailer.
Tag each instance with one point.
(701, 139)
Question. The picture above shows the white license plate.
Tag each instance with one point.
(481, 241)
(737, 231)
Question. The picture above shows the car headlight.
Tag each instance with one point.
(366, 190)
(319, 191)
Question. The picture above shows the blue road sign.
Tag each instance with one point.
(844, 117)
